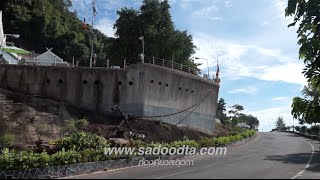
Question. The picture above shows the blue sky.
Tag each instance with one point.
(258, 53)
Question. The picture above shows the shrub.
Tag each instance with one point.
(7, 140)
(91, 155)
(137, 143)
(80, 141)
(207, 142)
(190, 143)
(13, 160)
(315, 130)
(237, 130)
(65, 157)
(41, 129)
(73, 125)
(309, 130)
(304, 129)
(297, 128)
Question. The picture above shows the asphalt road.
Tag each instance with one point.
(269, 155)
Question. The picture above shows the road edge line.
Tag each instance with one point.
(308, 165)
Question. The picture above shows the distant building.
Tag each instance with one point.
(46, 59)
(218, 121)
(243, 125)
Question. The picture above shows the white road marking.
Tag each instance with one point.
(308, 165)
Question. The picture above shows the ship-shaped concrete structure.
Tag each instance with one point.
(151, 89)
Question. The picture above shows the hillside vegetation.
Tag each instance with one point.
(50, 23)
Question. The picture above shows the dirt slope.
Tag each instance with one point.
(24, 115)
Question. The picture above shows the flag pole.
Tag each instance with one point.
(92, 35)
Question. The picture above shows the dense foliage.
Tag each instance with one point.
(50, 23)
(81, 141)
(306, 15)
(84, 150)
(235, 116)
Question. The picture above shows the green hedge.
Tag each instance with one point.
(204, 142)
(81, 141)
(86, 147)
(220, 141)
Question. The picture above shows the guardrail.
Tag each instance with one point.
(171, 65)
(164, 63)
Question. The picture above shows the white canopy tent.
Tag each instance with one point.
(47, 59)
(2, 37)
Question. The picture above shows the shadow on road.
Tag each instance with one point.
(299, 158)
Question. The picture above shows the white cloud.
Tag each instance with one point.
(247, 90)
(280, 98)
(105, 26)
(187, 4)
(227, 4)
(289, 72)
(240, 60)
(280, 7)
(208, 12)
(264, 23)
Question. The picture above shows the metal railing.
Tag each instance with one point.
(171, 65)
(122, 64)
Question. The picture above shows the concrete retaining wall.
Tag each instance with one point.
(141, 90)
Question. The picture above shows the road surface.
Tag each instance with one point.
(269, 155)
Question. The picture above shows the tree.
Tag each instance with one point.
(236, 109)
(306, 12)
(153, 22)
(280, 125)
(307, 109)
(47, 23)
(221, 109)
(303, 129)
(252, 121)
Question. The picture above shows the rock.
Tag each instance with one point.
(128, 134)
(116, 142)
(140, 136)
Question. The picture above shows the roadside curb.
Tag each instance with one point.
(309, 136)
(91, 167)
